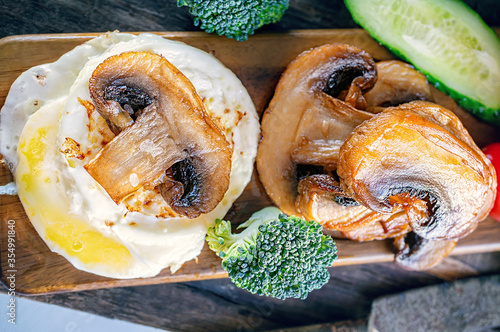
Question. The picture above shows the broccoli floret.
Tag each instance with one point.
(235, 19)
(275, 255)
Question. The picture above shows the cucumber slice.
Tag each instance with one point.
(444, 39)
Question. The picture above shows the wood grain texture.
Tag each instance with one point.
(218, 305)
(183, 306)
(159, 305)
(65, 16)
(258, 63)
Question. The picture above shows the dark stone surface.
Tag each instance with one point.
(465, 305)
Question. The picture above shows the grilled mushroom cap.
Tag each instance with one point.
(419, 157)
(164, 135)
(305, 124)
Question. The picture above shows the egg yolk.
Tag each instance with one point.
(48, 207)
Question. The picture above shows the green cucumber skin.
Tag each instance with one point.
(478, 109)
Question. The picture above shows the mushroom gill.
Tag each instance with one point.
(305, 123)
(417, 253)
(419, 157)
(164, 138)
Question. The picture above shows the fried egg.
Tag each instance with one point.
(49, 129)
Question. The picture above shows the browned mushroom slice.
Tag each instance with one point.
(321, 198)
(419, 157)
(164, 135)
(316, 151)
(397, 83)
(416, 253)
(304, 115)
(386, 226)
(322, 129)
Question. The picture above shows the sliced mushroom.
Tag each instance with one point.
(417, 253)
(397, 83)
(164, 135)
(305, 123)
(388, 226)
(322, 129)
(321, 198)
(419, 157)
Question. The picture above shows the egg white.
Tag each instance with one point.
(49, 104)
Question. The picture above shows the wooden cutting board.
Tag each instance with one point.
(258, 62)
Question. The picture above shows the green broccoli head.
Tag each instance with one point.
(275, 255)
(237, 19)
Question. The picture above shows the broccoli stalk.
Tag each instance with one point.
(275, 255)
(235, 19)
